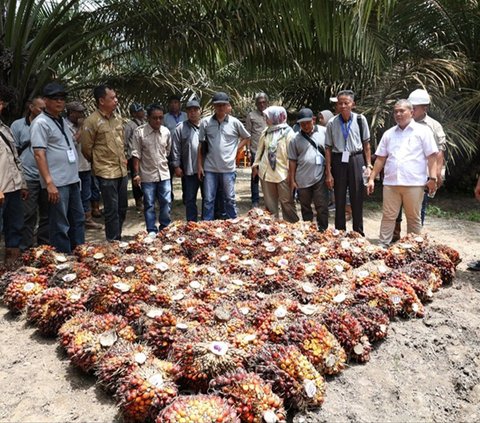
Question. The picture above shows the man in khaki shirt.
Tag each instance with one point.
(151, 147)
(103, 145)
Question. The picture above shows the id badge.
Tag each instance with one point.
(345, 156)
(71, 156)
(318, 159)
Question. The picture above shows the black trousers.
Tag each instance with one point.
(348, 175)
(136, 190)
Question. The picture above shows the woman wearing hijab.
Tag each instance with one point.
(271, 164)
(323, 117)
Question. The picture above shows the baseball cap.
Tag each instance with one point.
(135, 107)
(304, 115)
(192, 103)
(220, 98)
(54, 89)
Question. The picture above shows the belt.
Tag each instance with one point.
(351, 154)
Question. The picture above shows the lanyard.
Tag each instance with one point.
(59, 124)
(346, 128)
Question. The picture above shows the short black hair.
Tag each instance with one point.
(100, 91)
(174, 97)
(154, 106)
(7, 94)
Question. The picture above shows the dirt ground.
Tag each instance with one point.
(426, 370)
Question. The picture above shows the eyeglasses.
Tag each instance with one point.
(57, 97)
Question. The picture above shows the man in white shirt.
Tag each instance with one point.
(406, 151)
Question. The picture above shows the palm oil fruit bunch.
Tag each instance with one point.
(292, 376)
(251, 396)
(159, 328)
(43, 255)
(373, 321)
(147, 389)
(50, 309)
(425, 278)
(87, 341)
(199, 409)
(18, 293)
(119, 361)
(441, 261)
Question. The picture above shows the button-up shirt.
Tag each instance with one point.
(128, 135)
(11, 177)
(223, 139)
(102, 144)
(83, 164)
(255, 124)
(185, 147)
(407, 152)
(265, 170)
(21, 133)
(171, 121)
(337, 129)
(152, 148)
(437, 129)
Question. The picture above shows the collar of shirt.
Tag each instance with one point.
(112, 116)
(150, 130)
(409, 127)
(192, 125)
(225, 119)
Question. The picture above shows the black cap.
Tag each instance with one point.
(193, 103)
(54, 89)
(220, 98)
(135, 107)
(304, 115)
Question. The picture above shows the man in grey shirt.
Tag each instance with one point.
(57, 163)
(221, 136)
(306, 169)
(184, 158)
(36, 204)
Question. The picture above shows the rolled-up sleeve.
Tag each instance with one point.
(137, 144)
(177, 147)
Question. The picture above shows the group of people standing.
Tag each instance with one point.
(53, 167)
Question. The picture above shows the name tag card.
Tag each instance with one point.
(71, 156)
(345, 156)
(318, 159)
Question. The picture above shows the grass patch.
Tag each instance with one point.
(469, 215)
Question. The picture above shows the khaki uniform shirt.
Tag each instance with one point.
(255, 124)
(11, 177)
(152, 148)
(102, 144)
(437, 129)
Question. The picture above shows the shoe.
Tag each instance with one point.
(139, 204)
(152, 235)
(254, 205)
(96, 209)
(397, 231)
(90, 224)
(11, 256)
(474, 265)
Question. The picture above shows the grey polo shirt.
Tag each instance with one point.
(223, 139)
(255, 124)
(171, 121)
(45, 134)
(185, 147)
(335, 137)
(310, 161)
(21, 133)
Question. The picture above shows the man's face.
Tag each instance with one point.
(55, 104)
(110, 102)
(321, 120)
(402, 115)
(307, 126)
(174, 106)
(193, 114)
(221, 109)
(345, 105)
(419, 111)
(37, 107)
(155, 119)
(76, 117)
(140, 115)
(261, 104)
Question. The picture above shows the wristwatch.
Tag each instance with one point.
(431, 179)
(370, 166)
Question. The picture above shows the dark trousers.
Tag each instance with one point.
(86, 189)
(254, 183)
(35, 210)
(318, 194)
(190, 187)
(11, 219)
(348, 175)
(136, 190)
(115, 203)
(94, 189)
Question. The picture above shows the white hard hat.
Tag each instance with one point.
(419, 97)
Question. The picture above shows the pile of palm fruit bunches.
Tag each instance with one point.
(247, 316)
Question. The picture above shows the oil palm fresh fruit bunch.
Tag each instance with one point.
(426, 278)
(69, 275)
(373, 321)
(24, 273)
(350, 250)
(18, 293)
(88, 337)
(349, 333)
(146, 390)
(199, 409)
(51, 308)
(441, 261)
(450, 252)
(411, 304)
(43, 255)
(406, 250)
(251, 396)
(292, 375)
(159, 330)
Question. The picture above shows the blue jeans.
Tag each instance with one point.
(86, 189)
(191, 185)
(67, 219)
(11, 219)
(115, 204)
(254, 183)
(162, 192)
(211, 183)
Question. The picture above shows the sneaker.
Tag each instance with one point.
(474, 265)
(254, 205)
(139, 204)
(152, 235)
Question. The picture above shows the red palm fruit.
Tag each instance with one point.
(147, 389)
(411, 304)
(18, 293)
(426, 278)
(292, 376)
(451, 253)
(50, 309)
(373, 321)
(251, 396)
(441, 261)
(199, 409)
(159, 330)
(43, 255)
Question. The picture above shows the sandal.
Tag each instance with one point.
(474, 265)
